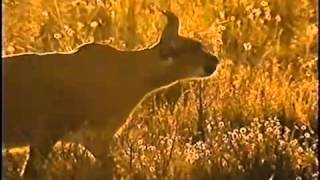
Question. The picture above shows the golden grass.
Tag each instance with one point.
(256, 118)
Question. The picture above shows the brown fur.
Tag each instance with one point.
(49, 95)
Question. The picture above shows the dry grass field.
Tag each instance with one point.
(256, 118)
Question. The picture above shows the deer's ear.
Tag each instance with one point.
(170, 36)
(171, 28)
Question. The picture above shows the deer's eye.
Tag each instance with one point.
(167, 61)
(168, 52)
(170, 58)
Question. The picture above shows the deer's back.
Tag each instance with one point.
(46, 96)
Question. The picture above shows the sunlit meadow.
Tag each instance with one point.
(255, 118)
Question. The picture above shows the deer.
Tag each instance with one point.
(49, 95)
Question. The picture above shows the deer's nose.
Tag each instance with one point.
(209, 69)
(211, 66)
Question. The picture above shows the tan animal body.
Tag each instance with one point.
(49, 95)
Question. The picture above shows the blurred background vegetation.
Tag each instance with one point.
(256, 118)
